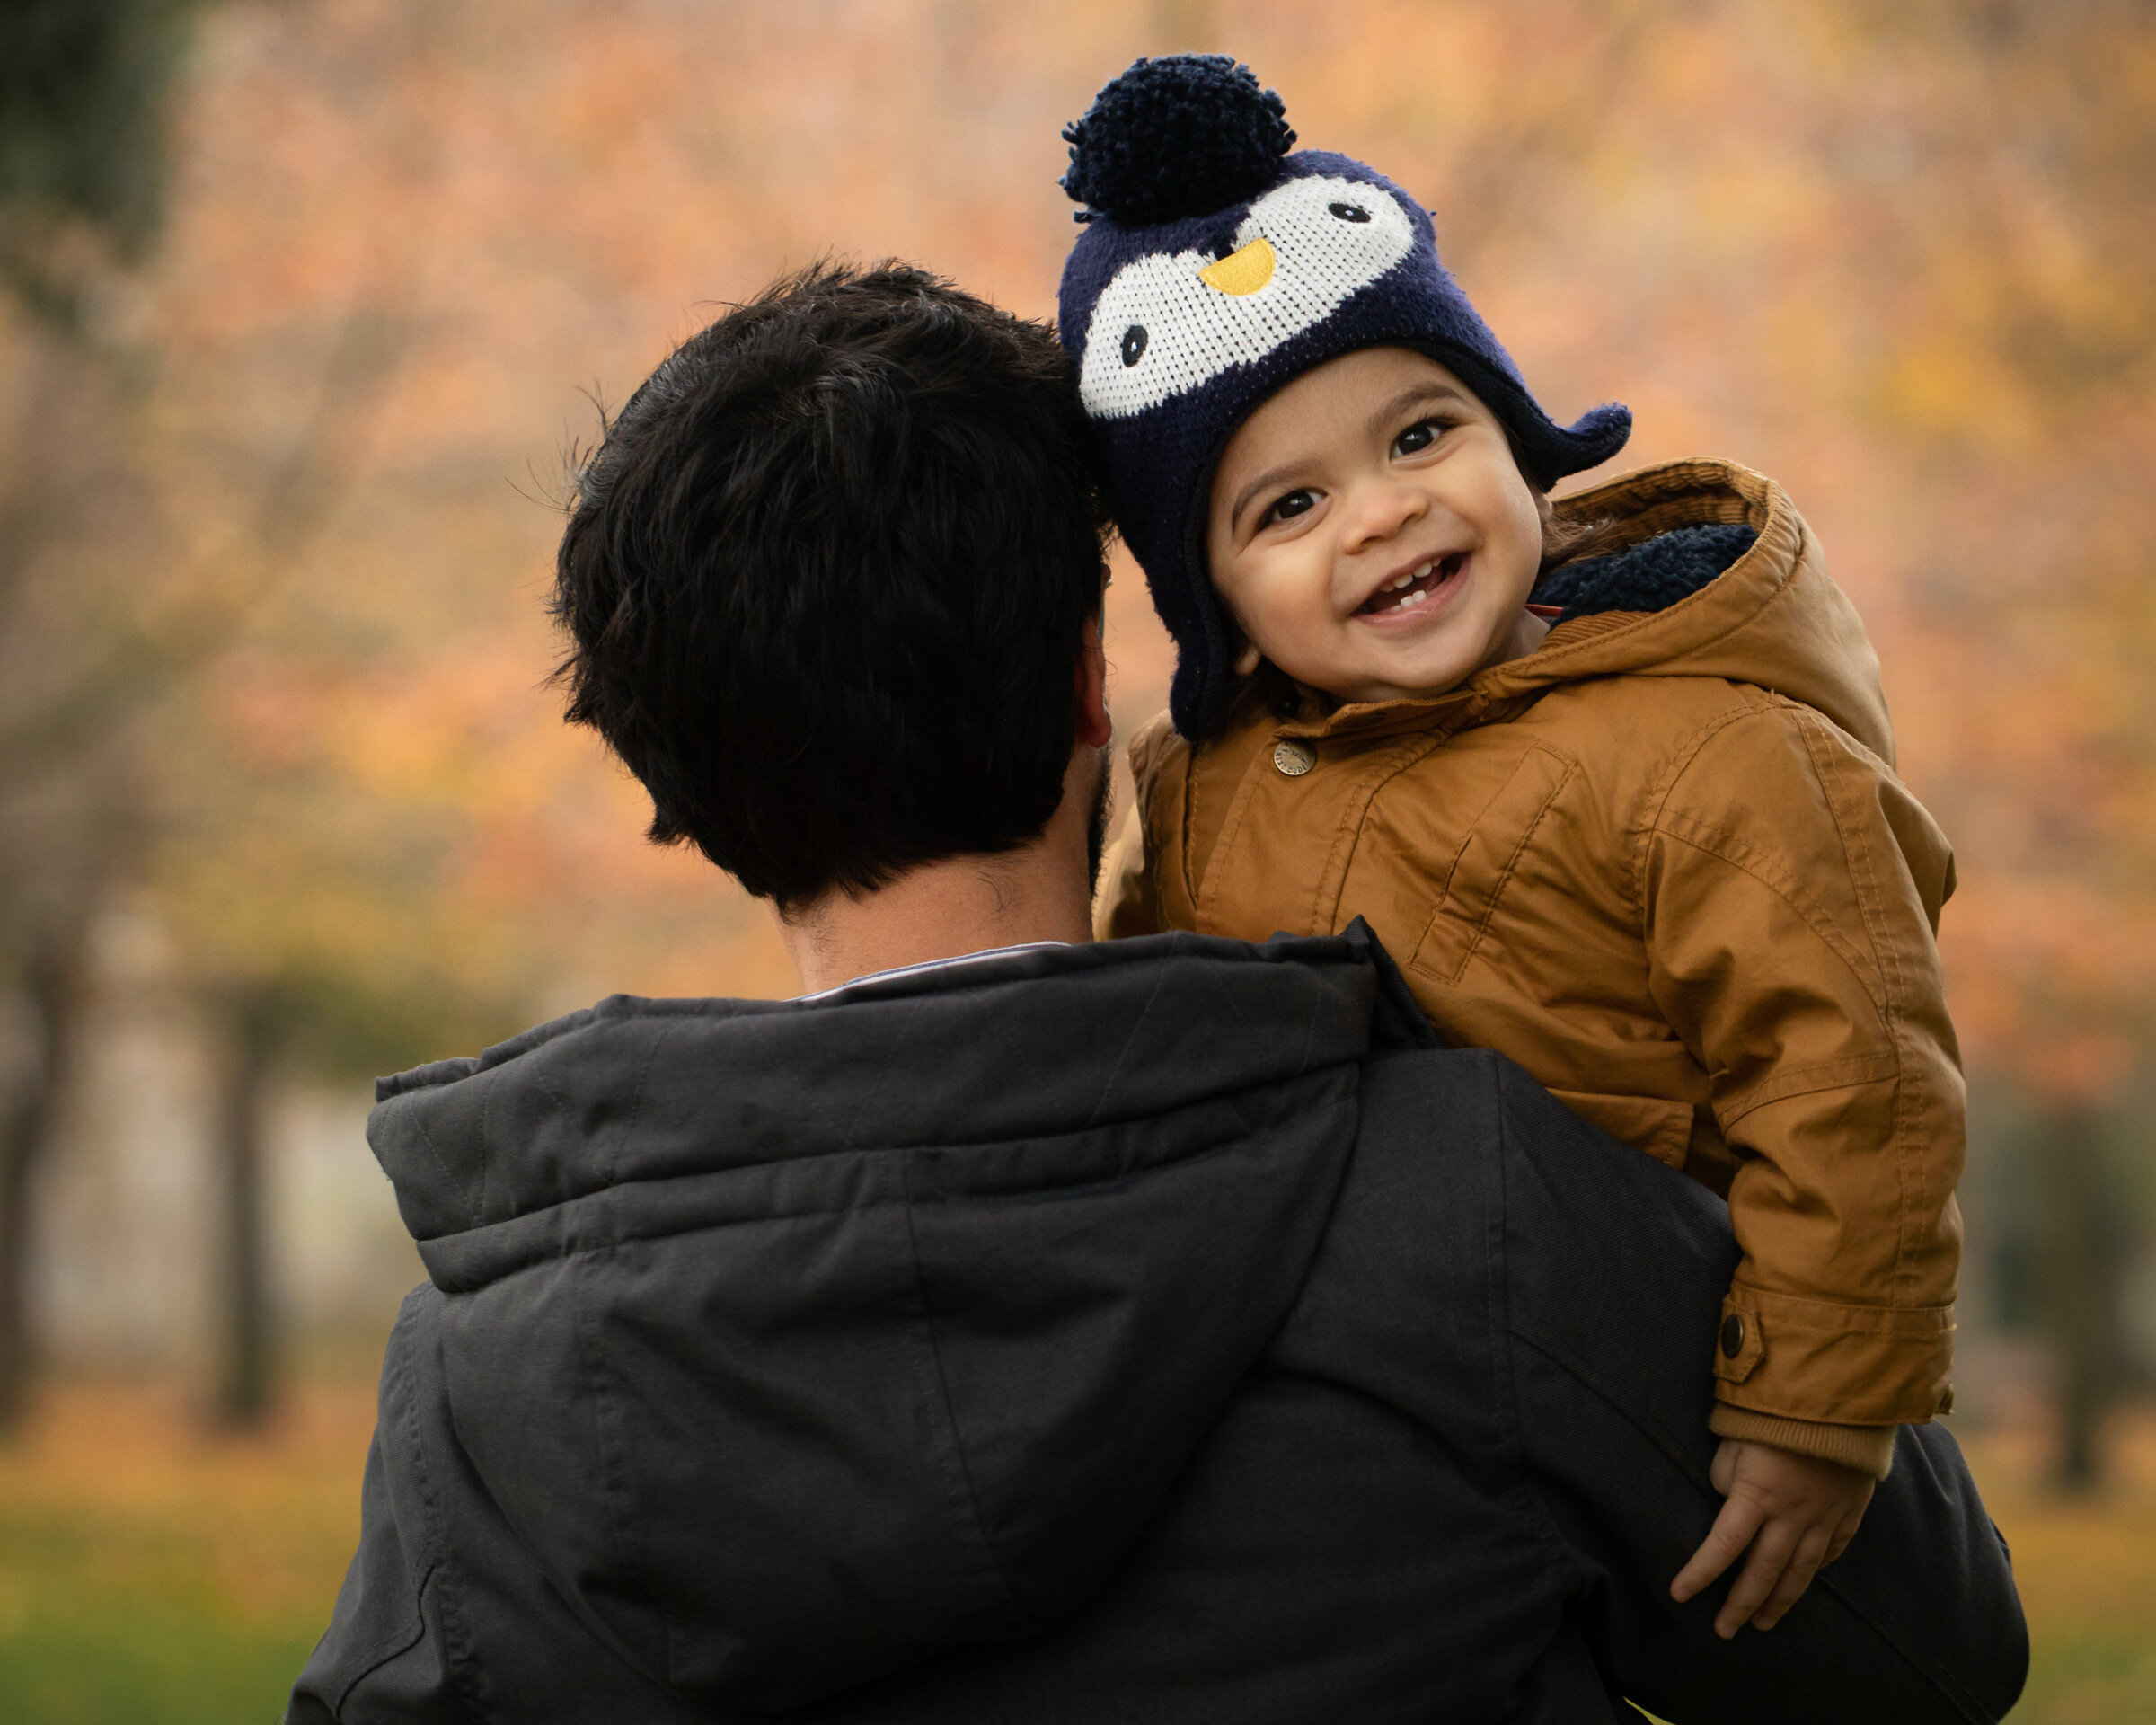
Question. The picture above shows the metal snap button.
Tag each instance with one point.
(1294, 757)
(1732, 1336)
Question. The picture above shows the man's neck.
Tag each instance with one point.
(941, 911)
(945, 909)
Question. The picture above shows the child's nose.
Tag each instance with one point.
(1378, 510)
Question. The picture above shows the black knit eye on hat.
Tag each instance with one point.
(1215, 268)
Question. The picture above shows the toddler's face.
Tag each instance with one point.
(1371, 533)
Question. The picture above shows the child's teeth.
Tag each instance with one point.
(1405, 580)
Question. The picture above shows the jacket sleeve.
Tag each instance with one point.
(1125, 903)
(1127, 900)
(1790, 889)
(1602, 1295)
(382, 1658)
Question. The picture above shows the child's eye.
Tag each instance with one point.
(1286, 509)
(1419, 437)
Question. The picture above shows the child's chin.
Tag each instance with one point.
(1375, 691)
(1425, 676)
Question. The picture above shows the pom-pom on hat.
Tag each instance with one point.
(1215, 268)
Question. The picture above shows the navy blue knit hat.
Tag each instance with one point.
(1215, 268)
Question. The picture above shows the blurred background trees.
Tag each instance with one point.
(275, 529)
(84, 91)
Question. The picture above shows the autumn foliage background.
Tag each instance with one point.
(284, 794)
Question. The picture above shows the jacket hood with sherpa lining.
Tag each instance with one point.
(800, 1339)
(1772, 618)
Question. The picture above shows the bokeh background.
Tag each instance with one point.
(305, 307)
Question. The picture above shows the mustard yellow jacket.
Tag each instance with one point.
(1665, 864)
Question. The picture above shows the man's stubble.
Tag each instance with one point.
(1096, 835)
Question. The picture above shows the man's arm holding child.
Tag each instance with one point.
(1611, 1270)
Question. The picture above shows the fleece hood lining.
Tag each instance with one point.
(1650, 576)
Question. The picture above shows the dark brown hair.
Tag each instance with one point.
(1567, 541)
(825, 581)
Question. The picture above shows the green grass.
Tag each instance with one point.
(2079, 1679)
(153, 1574)
(100, 1659)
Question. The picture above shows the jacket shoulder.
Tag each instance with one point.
(1155, 748)
(1756, 735)
(1638, 711)
(1634, 735)
(1781, 788)
(1668, 720)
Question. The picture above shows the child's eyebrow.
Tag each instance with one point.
(1414, 395)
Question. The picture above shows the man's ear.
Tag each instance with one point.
(1094, 726)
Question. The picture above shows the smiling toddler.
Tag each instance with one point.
(1610, 776)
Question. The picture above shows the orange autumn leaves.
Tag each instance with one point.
(1900, 263)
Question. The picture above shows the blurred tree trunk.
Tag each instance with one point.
(2080, 1281)
(69, 816)
(52, 980)
(246, 1386)
(85, 93)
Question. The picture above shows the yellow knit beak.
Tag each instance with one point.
(1241, 272)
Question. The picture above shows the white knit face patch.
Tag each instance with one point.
(1159, 328)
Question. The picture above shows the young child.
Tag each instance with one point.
(1612, 777)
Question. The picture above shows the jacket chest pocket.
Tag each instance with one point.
(1487, 860)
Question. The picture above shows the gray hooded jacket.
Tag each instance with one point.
(1162, 1331)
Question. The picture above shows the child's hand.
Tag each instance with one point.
(1795, 1513)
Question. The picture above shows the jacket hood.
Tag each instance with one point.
(1774, 617)
(800, 1339)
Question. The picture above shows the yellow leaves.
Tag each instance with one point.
(2037, 989)
(1936, 385)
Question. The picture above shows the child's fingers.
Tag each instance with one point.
(1846, 1532)
(1724, 1544)
(1771, 1554)
(1804, 1563)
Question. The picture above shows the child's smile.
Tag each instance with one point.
(1427, 579)
(1371, 533)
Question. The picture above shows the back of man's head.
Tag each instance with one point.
(827, 578)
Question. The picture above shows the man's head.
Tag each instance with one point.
(828, 579)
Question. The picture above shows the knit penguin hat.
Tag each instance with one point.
(1215, 268)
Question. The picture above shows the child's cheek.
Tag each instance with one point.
(1257, 597)
(1522, 555)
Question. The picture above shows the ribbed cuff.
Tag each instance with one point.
(1868, 1449)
